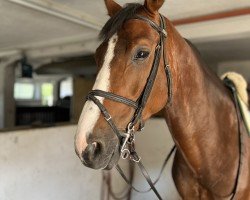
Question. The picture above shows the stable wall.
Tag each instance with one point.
(7, 102)
(40, 164)
(242, 67)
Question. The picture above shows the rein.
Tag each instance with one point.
(127, 139)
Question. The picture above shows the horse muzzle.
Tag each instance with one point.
(101, 154)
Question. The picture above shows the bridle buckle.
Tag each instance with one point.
(108, 117)
(164, 32)
(135, 158)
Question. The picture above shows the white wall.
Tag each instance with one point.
(7, 103)
(40, 164)
(1, 96)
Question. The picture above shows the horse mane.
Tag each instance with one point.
(116, 21)
(193, 47)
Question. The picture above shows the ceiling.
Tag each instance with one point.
(47, 29)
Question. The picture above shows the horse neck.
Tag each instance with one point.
(202, 118)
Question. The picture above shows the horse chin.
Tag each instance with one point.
(113, 161)
(105, 163)
(113, 158)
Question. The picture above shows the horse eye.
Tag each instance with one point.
(140, 55)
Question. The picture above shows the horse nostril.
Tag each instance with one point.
(96, 147)
(91, 151)
(94, 144)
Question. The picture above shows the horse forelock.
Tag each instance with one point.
(116, 22)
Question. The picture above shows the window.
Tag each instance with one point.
(66, 88)
(24, 91)
(47, 94)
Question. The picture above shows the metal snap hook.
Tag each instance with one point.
(124, 151)
(130, 128)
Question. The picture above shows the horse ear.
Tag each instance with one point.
(153, 5)
(112, 7)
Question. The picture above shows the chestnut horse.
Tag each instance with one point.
(201, 116)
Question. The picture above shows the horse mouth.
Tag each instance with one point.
(109, 164)
(113, 159)
(105, 163)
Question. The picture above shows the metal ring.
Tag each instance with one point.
(125, 153)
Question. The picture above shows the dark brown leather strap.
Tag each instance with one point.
(232, 88)
(167, 67)
(160, 29)
(140, 104)
(107, 117)
(114, 97)
(142, 100)
(141, 165)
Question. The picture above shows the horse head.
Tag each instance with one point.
(125, 58)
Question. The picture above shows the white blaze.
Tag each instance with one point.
(91, 112)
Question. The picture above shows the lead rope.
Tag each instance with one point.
(158, 177)
(107, 191)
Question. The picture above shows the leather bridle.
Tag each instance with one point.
(140, 103)
(127, 138)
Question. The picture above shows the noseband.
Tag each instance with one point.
(127, 138)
